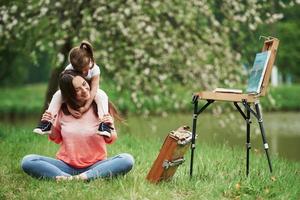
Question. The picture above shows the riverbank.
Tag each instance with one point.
(29, 99)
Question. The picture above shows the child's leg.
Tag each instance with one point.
(55, 103)
(44, 127)
(101, 100)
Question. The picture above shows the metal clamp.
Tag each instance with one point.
(248, 121)
(173, 163)
(266, 146)
(248, 145)
(185, 141)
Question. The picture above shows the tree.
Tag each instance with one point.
(143, 46)
(288, 32)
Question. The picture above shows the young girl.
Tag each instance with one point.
(81, 59)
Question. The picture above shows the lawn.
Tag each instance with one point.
(219, 172)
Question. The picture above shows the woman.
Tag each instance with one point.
(82, 154)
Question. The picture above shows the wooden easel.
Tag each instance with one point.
(270, 44)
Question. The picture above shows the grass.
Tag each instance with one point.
(218, 173)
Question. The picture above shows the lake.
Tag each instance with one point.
(282, 130)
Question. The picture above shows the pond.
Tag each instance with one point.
(282, 130)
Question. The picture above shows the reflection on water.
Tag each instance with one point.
(282, 130)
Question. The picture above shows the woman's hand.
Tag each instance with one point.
(47, 116)
(108, 119)
(83, 109)
(74, 113)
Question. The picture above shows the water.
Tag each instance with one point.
(282, 130)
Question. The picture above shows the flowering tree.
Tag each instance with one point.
(144, 46)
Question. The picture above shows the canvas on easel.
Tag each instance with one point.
(257, 72)
(256, 75)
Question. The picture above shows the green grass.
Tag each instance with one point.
(218, 174)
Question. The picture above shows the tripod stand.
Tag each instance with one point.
(257, 114)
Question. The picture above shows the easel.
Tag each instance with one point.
(270, 44)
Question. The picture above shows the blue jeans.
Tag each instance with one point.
(46, 167)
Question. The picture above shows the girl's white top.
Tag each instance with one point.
(92, 71)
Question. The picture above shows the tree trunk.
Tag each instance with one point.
(52, 86)
(53, 81)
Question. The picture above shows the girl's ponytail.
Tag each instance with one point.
(85, 45)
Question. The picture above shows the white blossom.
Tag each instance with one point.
(44, 10)
(13, 9)
(4, 16)
(147, 71)
(60, 58)
(57, 4)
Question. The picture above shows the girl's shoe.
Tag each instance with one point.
(44, 127)
(104, 129)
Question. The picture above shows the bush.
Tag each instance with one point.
(285, 98)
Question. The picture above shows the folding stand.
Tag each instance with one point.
(246, 117)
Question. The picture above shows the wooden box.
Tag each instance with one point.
(170, 155)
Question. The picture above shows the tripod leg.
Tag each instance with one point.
(248, 144)
(196, 113)
(262, 130)
(193, 145)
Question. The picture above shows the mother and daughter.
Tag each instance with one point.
(81, 119)
(82, 61)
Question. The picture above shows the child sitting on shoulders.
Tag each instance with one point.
(81, 59)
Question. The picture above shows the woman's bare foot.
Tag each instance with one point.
(62, 178)
(70, 178)
(81, 177)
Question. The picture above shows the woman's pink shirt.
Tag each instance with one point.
(80, 146)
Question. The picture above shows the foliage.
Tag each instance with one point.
(283, 98)
(22, 100)
(143, 46)
(289, 52)
(10, 71)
